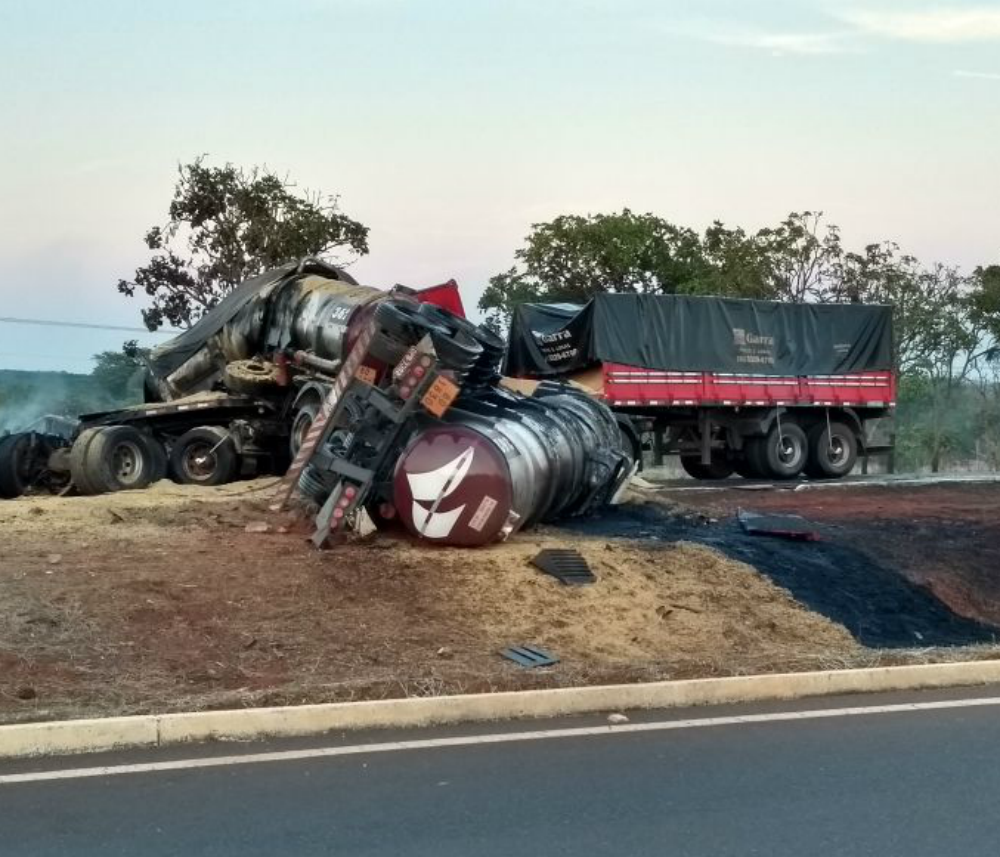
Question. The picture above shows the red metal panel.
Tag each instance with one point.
(634, 386)
(445, 296)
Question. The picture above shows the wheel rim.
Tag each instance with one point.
(837, 452)
(789, 452)
(126, 463)
(200, 462)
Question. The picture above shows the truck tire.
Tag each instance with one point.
(78, 469)
(305, 416)
(720, 468)
(252, 377)
(116, 458)
(779, 455)
(833, 452)
(386, 349)
(14, 467)
(204, 456)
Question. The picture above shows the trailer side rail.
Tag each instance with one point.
(633, 386)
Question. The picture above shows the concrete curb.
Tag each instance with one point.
(157, 730)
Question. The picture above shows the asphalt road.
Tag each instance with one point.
(911, 783)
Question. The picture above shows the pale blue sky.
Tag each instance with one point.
(450, 126)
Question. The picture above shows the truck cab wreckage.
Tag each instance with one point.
(389, 405)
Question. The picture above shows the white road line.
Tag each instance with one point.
(495, 738)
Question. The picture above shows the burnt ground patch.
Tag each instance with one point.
(837, 579)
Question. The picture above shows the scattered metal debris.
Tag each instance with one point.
(783, 526)
(529, 656)
(567, 566)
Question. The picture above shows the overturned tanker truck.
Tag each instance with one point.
(387, 404)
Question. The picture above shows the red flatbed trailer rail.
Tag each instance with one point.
(635, 387)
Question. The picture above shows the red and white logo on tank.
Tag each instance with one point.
(452, 486)
(431, 488)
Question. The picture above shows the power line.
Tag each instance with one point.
(63, 357)
(44, 322)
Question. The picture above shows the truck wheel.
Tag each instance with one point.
(79, 471)
(833, 452)
(125, 459)
(720, 468)
(15, 466)
(204, 456)
(250, 376)
(116, 458)
(305, 416)
(779, 455)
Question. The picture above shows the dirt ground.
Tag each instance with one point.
(161, 600)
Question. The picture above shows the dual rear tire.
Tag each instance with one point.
(106, 459)
(116, 458)
(824, 452)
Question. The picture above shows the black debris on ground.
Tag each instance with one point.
(874, 602)
(780, 526)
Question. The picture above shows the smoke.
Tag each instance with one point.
(28, 397)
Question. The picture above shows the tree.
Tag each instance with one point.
(952, 342)
(802, 255)
(738, 265)
(881, 275)
(573, 258)
(118, 373)
(225, 225)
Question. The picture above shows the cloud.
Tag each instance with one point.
(775, 42)
(941, 26)
(783, 43)
(978, 75)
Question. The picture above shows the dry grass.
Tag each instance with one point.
(161, 601)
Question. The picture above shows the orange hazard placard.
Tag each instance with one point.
(366, 374)
(439, 397)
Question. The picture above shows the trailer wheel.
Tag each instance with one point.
(15, 465)
(116, 458)
(780, 454)
(833, 452)
(204, 456)
(720, 468)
